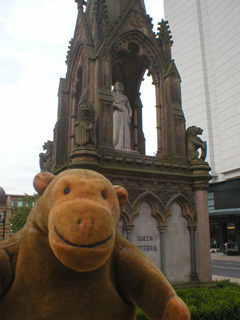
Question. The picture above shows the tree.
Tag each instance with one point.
(22, 213)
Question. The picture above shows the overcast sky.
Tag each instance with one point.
(34, 36)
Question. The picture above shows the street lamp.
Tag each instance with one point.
(3, 221)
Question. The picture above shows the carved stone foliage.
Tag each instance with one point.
(133, 193)
(100, 13)
(84, 22)
(190, 196)
(165, 195)
(194, 143)
(45, 159)
(84, 128)
(135, 20)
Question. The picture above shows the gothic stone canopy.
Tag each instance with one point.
(114, 41)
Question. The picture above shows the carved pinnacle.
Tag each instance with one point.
(81, 3)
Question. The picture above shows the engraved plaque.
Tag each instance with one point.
(145, 234)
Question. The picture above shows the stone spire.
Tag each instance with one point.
(98, 18)
(165, 39)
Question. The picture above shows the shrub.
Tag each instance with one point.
(217, 303)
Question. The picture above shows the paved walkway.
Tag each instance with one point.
(223, 257)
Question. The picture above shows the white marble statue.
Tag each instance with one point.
(122, 114)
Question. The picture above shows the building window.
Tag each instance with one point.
(211, 201)
(20, 203)
(13, 204)
(227, 199)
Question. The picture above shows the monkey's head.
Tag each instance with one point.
(79, 210)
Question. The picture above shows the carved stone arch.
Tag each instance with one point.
(156, 65)
(76, 70)
(125, 225)
(105, 67)
(188, 211)
(148, 212)
(132, 54)
(157, 207)
(126, 213)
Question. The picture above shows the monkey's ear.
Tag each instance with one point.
(41, 181)
(122, 195)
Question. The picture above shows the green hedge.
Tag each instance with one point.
(216, 303)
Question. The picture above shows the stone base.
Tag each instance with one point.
(84, 157)
(126, 151)
(194, 284)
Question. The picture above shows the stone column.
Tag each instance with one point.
(194, 276)
(161, 229)
(73, 118)
(159, 118)
(129, 228)
(203, 257)
(135, 130)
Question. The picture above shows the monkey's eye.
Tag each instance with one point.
(67, 190)
(103, 195)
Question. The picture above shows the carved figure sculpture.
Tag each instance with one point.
(69, 263)
(45, 159)
(122, 114)
(194, 143)
(84, 128)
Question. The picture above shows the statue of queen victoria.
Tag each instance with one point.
(122, 114)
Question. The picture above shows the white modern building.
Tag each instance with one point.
(206, 35)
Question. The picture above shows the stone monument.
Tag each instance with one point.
(167, 214)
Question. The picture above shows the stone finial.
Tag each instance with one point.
(194, 143)
(164, 33)
(81, 3)
(165, 39)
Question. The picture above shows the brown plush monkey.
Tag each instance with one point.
(68, 262)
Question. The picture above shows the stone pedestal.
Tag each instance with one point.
(86, 157)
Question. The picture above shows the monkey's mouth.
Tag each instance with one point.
(83, 246)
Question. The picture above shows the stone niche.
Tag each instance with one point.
(145, 234)
(177, 247)
(168, 241)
